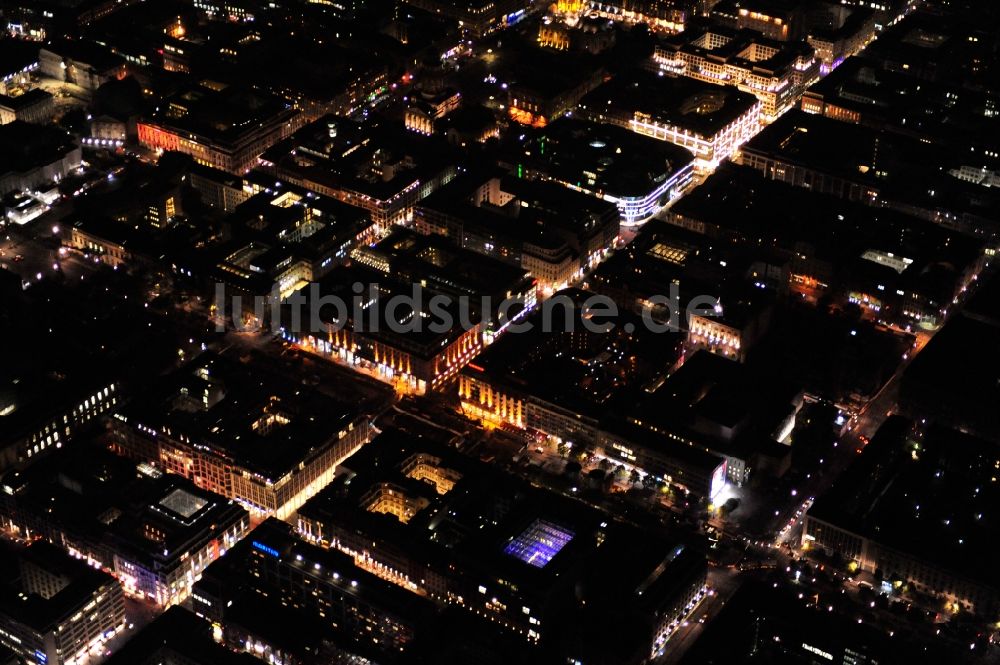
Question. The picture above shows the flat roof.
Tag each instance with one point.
(263, 421)
(340, 153)
(225, 114)
(899, 167)
(703, 108)
(740, 203)
(605, 158)
(930, 495)
(79, 583)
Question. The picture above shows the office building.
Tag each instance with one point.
(178, 637)
(553, 233)
(244, 433)
(156, 533)
(225, 127)
(776, 72)
(456, 531)
(519, 383)
(457, 273)
(34, 106)
(35, 156)
(84, 64)
(386, 328)
(876, 167)
(54, 609)
(914, 508)
(379, 168)
(637, 173)
(710, 121)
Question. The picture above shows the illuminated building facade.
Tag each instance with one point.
(233, 10)
(257, 446)
(659, 15)
(429, 107)
(682, 464)
(34, 437)
(34, 106)
(81, 63)
(442, 268)
(729, 331)
(476, 18)
(545, 84)
(637, 173)
(853, 30)
(15, 74)
(341, 599)
(36, 156)
(935, 549)
(157, 543)
(773, 20)
(383, 170)
(216, 126)
(59, 608)
(505, 555)
(540, 227)
(777, 73)
(511, 385)
(389, 334)
(710, 121)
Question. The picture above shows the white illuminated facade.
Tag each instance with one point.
(706, 332)
(635, 210)
(709, 150)
(81, 626)
(714, 57)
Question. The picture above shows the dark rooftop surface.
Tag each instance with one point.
(591, 373)
(477, 526)
(702, 108)
(177, 634)
(446, 268)
(762, 623)
(604, 158)
(900, 168)
(740, 204)
(25, 146)
(93, 495)
(79, 583)
(377, 159)
(225, 114)
(941, 111)
(224, 405)
(932, 497)
(957, 376)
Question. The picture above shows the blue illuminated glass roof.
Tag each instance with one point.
(539, 543)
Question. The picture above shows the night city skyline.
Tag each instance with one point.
(477, 332)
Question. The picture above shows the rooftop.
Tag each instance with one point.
(898, 168)
(260, 420)
(702, 108)
(21, 602)
(221, 113)
(603, 158)
(377, 159)
(90, 494)
(929, 494)
(178, 632)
